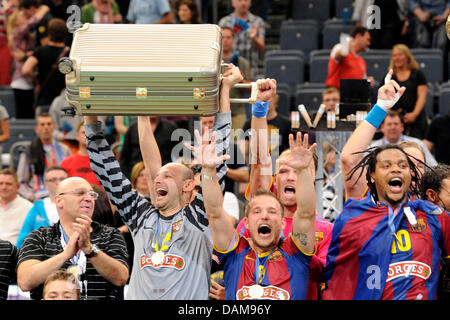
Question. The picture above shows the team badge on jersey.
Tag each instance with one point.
(319, 237)
(176, 226)
(420, 226)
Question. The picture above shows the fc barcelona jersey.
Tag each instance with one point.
(285, 278)
(371, 257)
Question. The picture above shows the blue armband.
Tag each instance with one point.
(376, 116)
(260, 109)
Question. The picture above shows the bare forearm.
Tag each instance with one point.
(305, 194)
(111, 269)
(31, 273)
(149, 151)
(212, 193)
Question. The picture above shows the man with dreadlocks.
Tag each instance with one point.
(387, 245)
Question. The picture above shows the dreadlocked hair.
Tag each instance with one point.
(369, 161)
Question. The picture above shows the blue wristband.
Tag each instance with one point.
(260, 109)
(376, 116)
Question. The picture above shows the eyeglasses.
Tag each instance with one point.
(55, 179)
(81, 193)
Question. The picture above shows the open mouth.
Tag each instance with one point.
(160, 193)
(395, 184)
(264, 230)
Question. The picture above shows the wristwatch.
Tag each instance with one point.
(94, 251)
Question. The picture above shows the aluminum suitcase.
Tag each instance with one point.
(144, 69)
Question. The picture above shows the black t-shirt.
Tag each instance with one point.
(409, 98)
(47, 56)
(439, 134)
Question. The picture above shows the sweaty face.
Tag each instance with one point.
(264, 222)
(392, 176)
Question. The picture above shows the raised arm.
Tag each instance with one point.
(360, 140)
(261, 162)
(222, 229)
(150, 152)
(304, 222)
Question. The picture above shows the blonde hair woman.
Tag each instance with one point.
(408, 74)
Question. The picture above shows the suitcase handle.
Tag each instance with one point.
(253, 93)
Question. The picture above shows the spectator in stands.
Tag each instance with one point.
(238, 110)
(65, 127)
(43, 64)
(61, 285)
(98, 251)
(29, 7)
(345, 61)
(8, 261)
(7, 8)
(408, 74)
(43, 213)
(393, 19)
(131, 153)
(13, 207)
(438, 138)
(22, 46)
(77, 164)
(187, 12)
(149, 11)
(139, 180)
(429, 19)
(45, 151)
(392, 129)
(4, 129)
(330, 97)
(101, 11)
(249, 32)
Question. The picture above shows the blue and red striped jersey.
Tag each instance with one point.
(372, 258)
(285, 278)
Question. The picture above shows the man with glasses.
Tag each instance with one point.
(43, 213)
(96, 253)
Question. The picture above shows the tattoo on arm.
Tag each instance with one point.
(301, 237)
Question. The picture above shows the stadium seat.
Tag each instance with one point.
(303, 22)
(331, 33)
(444, 99)
(310, 97)
(339, 6)
(377, 65)
(289, 70)
(284, 101)
(8, 100)
(377, 52)
(426, 51)
(432, 66)
(18, 132)
(318, 70)
(14, 153)
(311, 9)
(429, 104)
(284, 53)
(299, 37)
